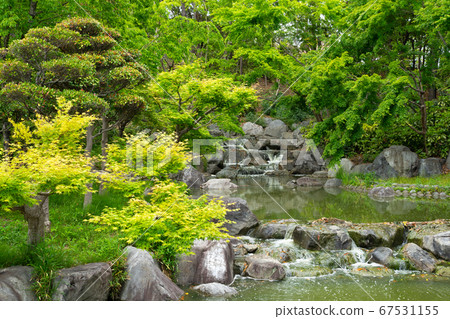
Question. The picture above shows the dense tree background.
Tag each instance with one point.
(369, 73)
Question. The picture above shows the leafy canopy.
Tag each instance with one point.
(187, 100)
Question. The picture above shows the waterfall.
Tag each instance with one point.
(289, 231)
(274, 162)
(358, 253)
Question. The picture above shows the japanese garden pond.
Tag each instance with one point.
(269, 199)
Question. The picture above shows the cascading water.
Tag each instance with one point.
(358, 253)
(274, 162)
(289, 231)
(252, 161)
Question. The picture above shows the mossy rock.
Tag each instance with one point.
(282, 254)
(419, 231)
(377, 235)
(335, 259)
(239, 264)
(372, 271)
(443, 269)
(313, 271)
(398, 263)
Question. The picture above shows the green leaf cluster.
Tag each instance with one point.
(168, 223)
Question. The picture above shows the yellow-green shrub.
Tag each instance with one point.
(168, 223)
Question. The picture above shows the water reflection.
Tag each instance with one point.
(313, 203)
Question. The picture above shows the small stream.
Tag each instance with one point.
(332, 275)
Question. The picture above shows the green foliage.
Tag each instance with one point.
(66, 40)
(34, 51)
(76, 54)
(25, 100)
(366, 180)
(187, 100)
(69, 73)
(15, 71)
(119, 276)
(442, 181)
(132, 168)
(50, 158)
(44, 260)
(375, 138)
(72, 242)
(168, 223)
(290, 109)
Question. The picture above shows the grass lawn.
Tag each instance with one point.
(72, 241)
(440, 180)
(369, 180)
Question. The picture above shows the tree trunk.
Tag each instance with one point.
(122, 129)
(33, 10)
(183, 9)
(423, 115)
(38, 218)
(104, 145)
(88, 152)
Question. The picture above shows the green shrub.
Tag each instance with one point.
(375, 139)
(290, 109)
(366, 180)
(168, 223)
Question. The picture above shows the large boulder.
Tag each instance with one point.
(241, 217)
(274, 230)
(264, 268)
(309, 182)
(333, 183)
(276, 129)
(233, 154)
(219, 183)
(213, 169)
(216, 131)
(327, 237)
(346, 165)
(375, 235)
(146, 281)
(361, 168)
(306, 163)
(382, 192)
(431, 166)
(190, 176)
(418, 231)
(381, 255)
(227, 172)
(15, 284)
(419, 258)
(215, 158)
(252, 129)
(395, 161)
(215, 289)
(438, 245)
(211, 261)
(83, 283)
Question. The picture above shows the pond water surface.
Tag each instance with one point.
(270, 199)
